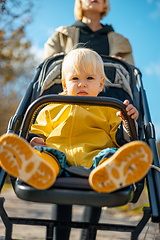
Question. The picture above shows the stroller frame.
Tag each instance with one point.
(50, 224)
(152, 177)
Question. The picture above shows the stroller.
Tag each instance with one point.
(75, 190)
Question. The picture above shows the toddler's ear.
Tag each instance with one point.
(64, 85)
(101, 84)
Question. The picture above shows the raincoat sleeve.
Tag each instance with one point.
(114, 123)
(43, 124)
(118, 133)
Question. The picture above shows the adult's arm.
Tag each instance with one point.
(62, 41)
(120, 46)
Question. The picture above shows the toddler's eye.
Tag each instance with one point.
(90, 78)
(75, 78)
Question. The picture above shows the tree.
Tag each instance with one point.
(15, 52)
(16, 60)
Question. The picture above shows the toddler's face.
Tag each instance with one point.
(82, 84)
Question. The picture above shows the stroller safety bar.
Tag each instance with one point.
(45, 100)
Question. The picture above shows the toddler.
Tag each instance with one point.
(75, 135)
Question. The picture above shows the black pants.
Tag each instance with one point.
(64, 213)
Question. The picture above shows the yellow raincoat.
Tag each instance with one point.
(81, 132)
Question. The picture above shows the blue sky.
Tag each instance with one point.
(139, 21)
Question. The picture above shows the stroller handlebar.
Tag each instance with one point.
(54, 98)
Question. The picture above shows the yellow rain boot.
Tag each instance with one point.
(129, 164)
(22, 161)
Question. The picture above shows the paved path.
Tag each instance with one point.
(18, 208)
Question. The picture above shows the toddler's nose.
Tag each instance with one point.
(82, 84)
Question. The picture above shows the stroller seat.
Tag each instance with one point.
(73, 191)
(76, 190)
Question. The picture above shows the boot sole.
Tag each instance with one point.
(128, 165)
(20, 160)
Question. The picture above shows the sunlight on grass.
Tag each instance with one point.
(7, 186)
(137, 209)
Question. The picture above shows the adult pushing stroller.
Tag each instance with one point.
(75, 189)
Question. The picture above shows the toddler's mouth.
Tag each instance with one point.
(82, 93)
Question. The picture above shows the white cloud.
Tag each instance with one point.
(156, 13)
(38, 53)
(153, 69)
(50, 31)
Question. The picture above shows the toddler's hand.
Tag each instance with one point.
(131, 111)
(36, 141)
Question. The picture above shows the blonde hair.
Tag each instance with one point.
(83, 58)
(78, 9)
